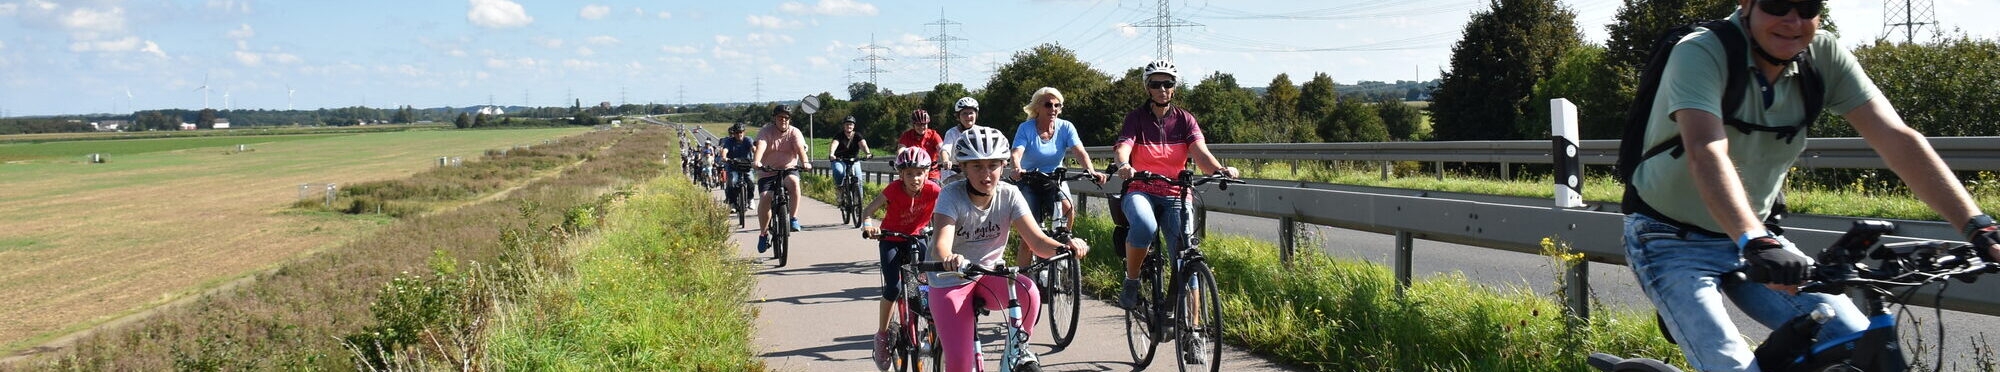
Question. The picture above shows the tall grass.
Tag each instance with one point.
(309, 314)
(430, 189)
(656, 288)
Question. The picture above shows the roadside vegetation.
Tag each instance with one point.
(418, 292)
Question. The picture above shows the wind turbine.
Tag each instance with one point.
(128, 99)
(204, 91)
(226, 105)
(288, 96)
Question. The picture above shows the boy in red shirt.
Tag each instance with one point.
(909, 202)
(921, 136)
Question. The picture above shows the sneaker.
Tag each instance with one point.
(1194, 353)
(763, 243)
(881, 351)
(1129, 297)
(1027, 359)
(795, 224)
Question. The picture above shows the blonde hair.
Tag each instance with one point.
(1037, 98)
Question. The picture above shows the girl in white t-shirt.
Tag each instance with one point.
(974, 218)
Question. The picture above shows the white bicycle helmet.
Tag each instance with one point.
(965, 103)
(981, 143)
(1163, 67)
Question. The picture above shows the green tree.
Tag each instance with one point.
(1225, 110)
(862, 91)
(940, 100)
(1494, 68)
(1100, 114)
(1359, 121)
(482, 121)
(206, 120)
(1403, 122)
(1317, 97)
(1580, 78)
(1046, 65)
(1941, 88)
(1281, 100)
(464, 121)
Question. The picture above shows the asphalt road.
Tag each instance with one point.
(818, 313)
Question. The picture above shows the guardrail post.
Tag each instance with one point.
(1404, 252)
(1440, 169)
(1201, 222)
(1288, 239)
(1576, 289)
(1082, 205)
(1506, 171)
(1385, 169)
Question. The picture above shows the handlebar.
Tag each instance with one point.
(967, 270)
(1186, 180)
(1905, 264)
(892, 234)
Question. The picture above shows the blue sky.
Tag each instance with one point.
(82, 56)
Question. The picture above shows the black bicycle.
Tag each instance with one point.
(1794, 346)
(779, 230)
(1060, 280)
(913, 343)
(1186, 310)
(741, 186)
(848, 194)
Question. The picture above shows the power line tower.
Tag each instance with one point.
(683, 100)
(621, 96)
(1163, 26)
(760, 89)
(874, 60)
(1911, 15)
(944, 40)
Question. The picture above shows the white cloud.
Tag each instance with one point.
(679, 49)
(830, 8)
(497, 14)
(819, 62)
(3, 45)
(129, 43)
(770, 22)
(1126, 30)
(721, 53)
(602, 40)
(766, 39)
(254, 59)
(666, 15)
(722, 39)
(581, 64)
(482, 75)
(243, 32)
(585, 51)
(456, 53)
(230, 6)
(523, 62)
(594, 12)
(154, 49)
(9, 9)
(90, 22)
(551, 43)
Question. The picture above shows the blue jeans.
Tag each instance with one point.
(1042, 203)
(735, 176)
(1140, 209)
(845, 171)
(1682, 273)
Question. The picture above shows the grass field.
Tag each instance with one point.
(240, 132)
(168, 217)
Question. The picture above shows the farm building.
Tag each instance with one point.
(187, 126)
(221, 123)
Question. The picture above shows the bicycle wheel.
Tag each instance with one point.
(1064, 291)
(858, 218)
(781, 232)
(1200, 309)
(1139, 327)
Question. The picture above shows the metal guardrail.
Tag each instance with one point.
(1960, 153)
(1495, 222)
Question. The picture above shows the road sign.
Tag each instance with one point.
(810, 104)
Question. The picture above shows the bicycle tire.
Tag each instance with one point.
(1140, 327)
(781, 231)
(1066, 303)
(1201, 327)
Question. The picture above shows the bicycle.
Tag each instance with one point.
(780, 228)
(1188, 311)
(1793, 347)
(1014, 353)
(911, 345)
(848, 194)
(1061, 283)
(741, 187)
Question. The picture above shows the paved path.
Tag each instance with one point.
(818, 313)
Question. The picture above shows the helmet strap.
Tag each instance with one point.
(974, 190)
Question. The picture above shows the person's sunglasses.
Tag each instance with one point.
(1807, 9)
(1053, 105)
(1161, 84)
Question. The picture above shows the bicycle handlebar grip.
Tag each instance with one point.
(931, 266)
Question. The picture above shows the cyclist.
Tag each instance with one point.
(1699, 213)
(735, 147)
(909, 204)
(778, 146)
(967, 110)
(1039, 146)
(974, 219)
(920, 135)
(846, 145)
(1157, 137)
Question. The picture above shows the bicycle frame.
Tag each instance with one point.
(1017, 340)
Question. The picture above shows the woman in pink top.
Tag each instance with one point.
(1157, 137)
(778, 146)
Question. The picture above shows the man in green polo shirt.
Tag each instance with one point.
(1709, 199)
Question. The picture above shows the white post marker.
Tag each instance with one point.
(1569, 170)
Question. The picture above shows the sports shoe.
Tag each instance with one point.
(1129, 296)
(1194, 353)
(795, 224)
(763, 243)
(881, 351)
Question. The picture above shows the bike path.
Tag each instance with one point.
(818, 313)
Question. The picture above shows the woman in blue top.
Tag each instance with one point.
(1039, 146)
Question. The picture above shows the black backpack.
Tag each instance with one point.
(1633, 149)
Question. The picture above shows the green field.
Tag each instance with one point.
(165, 218)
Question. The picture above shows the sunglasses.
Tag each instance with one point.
(1161, 84)
(1807, 9)
(1053, 105)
